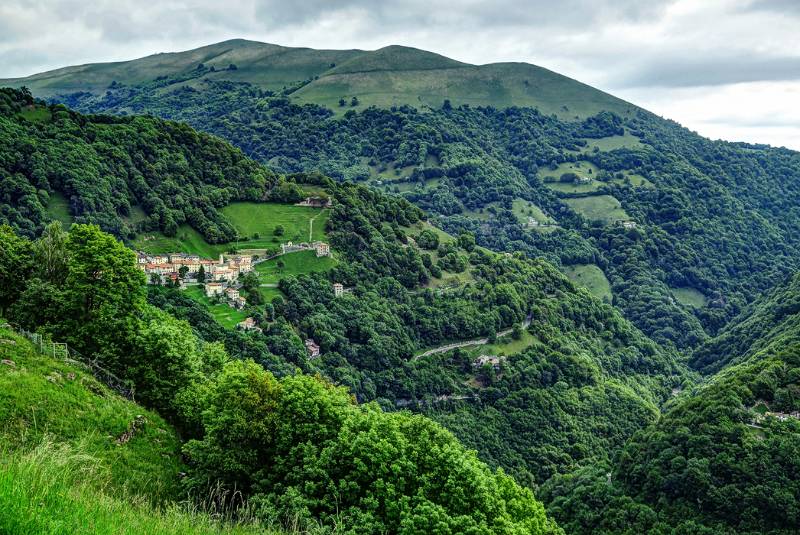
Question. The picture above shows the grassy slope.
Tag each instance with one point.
(603, 208)
(592, 278)
(248, 218)
(293, 264)
(390, 76)
(59, 490)
(226, 316)
(42, 397)
(58, 208)
(267, 65)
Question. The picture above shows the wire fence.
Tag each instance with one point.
(61, 351)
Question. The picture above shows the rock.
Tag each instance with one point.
(9, 363)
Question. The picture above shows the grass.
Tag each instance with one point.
(36, 114)
(505, 345)
(248, 218)
(524, 209)
(592, 278)
(396, 75)
(226, 316)
(293, 264)
(390, 76)
(187, 240)
(604, 208)
(690, 297)
(57, 489)
(40, 397)
(58, 209)
(614, 142)
(580, 168)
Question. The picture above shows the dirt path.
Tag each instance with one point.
(311, 225)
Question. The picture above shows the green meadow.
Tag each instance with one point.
(292, 264)
(603, 208)
(590, 277)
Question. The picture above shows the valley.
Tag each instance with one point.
(373, 291)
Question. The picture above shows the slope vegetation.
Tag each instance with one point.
(723, 458)
(390, 76)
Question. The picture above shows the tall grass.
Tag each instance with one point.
(57, 489)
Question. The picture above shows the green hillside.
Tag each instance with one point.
(390, 76)
(723, 456)
(269, 66)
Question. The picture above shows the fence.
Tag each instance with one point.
(62, 351)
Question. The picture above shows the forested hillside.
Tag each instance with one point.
(297, 451)
(711, 224)
(125, 174)
(723, 458)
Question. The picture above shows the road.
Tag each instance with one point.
(466, 343)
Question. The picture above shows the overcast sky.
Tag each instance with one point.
(729, 69)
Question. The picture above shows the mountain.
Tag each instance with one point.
(723, 456)
(677, 231)
(390, 76)
(567, 381)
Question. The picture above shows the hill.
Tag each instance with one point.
(79, 458)
(679, 226)
(717, 451)
(390, 76)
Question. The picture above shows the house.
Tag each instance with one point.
(240, 302)
(214, 288)
(289, 247)
(338, 289)
(322, 249)
(231, 293)
(492, 360)
(532, 222)
(160, 259)
(247, 324)
(316, 202)
(629, 224)
(312, 348)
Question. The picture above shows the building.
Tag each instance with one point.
(240, 302)
(492, 360)
(312, 348)
(231, 293)
(629, 224)
(338, 289)
(289, 247)
(322, 249)
(214, 288)
(316, 202)
(247, 324)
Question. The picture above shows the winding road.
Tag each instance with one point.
(466, 343)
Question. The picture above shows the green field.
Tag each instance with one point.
(188, 240)
(58, 209)
(690, 297)
(226, 316)
(590, 277)
(36, 114)
(249, 219)
(581, 168)
(614, 142)
(504, 346)
(294, 264)
(524, 209)
(604, 208)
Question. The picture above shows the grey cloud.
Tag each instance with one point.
(710, 71)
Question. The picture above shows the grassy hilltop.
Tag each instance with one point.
(390, 76)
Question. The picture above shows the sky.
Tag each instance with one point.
(728, 69)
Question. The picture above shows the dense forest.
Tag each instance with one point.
(719, 219)
(299, 450)
(613, 431)
(723, 458)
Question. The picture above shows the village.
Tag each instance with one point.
(220, 278)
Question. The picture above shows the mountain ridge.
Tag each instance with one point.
(393, 75)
